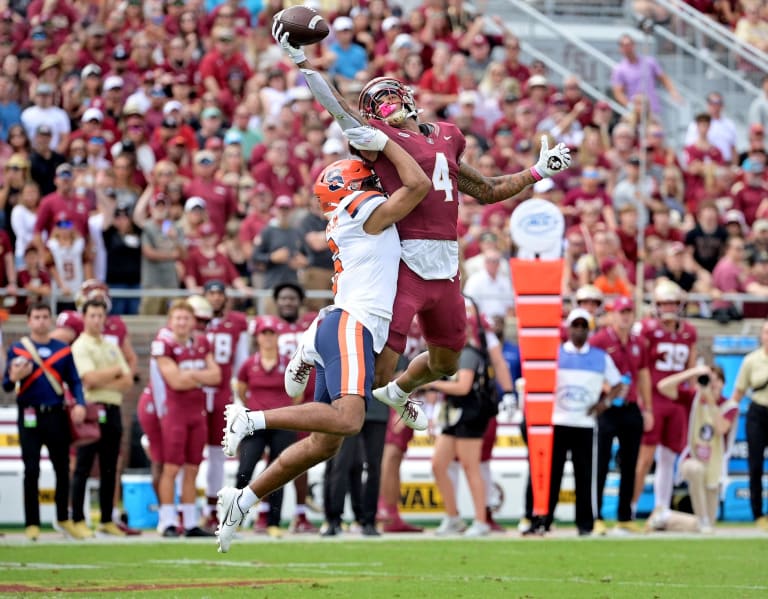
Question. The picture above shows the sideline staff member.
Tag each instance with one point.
(36, 367)
(753, 375)
(106, 376)
(581, 372)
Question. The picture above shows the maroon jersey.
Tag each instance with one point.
(188, 356)
(204, 269)
(667, 353)
(228, 336)
(265, 387)
(438, 153)
(220, 202)
(629, 357)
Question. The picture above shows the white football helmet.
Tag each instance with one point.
(201, 307)
(589, 292)
(92, 289)
(668, 300)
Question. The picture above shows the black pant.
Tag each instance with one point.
(251, 449)
(108, 450)
(579, 441)
(757, 441)
(528, 484)
(626, 424)
(369, 442)
(52, 430)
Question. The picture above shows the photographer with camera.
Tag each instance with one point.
(711, 421)
(753, 377)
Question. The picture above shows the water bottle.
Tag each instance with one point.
(626, 380)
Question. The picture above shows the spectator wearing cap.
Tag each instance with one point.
(210, 126)
(90, 126)
(347, 59)
(121, 66)
(757, 242)
(721, 132)
(140, 98)
(220, 200)
(61, 15)
(479, 58)
(755, 143)
(629, 414)
(613, 279)
(62, 205)
(122, 242)
(43, 112)
(629, 77)
(562, 122)
(467, 117)
(113, 96)
(538, 91)
(735, 225)
(67, 260)
(162, 245)
(391, 27)
(205, 263)
(221, 60)
(583, 371)
(134, 133)
(439, 79)
(43, 160)
(91, 85)
(675, 268)
(232, 12)
(282, 251)
(511, 56)
(95, 48)
(277, 171)
(241, 121)
(194, 217)
(751, 191)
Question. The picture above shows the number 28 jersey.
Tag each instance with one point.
(668, 353)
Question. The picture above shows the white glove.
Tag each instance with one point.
(509, 402)
(296, 54)
(366, 137)
(551, 161)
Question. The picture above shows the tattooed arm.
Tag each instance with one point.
(489, 190)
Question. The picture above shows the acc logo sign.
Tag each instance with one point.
(573, 398)
(537, 228)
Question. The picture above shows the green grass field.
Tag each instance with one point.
(508, 566)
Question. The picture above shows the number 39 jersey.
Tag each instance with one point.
(668, 353)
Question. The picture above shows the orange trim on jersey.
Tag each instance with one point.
(360, 350)
(344, 351)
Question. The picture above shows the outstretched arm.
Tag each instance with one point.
(321, 87)
(489, 190)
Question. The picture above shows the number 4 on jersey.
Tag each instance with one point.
(441, 176)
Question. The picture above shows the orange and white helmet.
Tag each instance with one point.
(201, 307)
(668, 300)
(341, 178)
(374, 104)
(92, 289)
(589, 292)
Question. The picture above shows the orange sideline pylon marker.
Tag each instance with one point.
(539, 308)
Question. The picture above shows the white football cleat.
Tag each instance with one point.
(230, 516)
(410, 412)
(297, 373)
(237, 427)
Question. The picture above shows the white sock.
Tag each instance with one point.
(485, 472)
(633, 509)
(167, 516)
(257, 420)
(264, 506)
(214, 478)
(115, 515)
(396, 393)
(453, 473)
(248, 499)
(189, 514)
(301, 510)
(663, 479)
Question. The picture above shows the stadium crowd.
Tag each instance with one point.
(172, 145)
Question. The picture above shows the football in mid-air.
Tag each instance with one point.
(304, 25)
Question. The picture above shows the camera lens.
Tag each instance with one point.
(703, 379)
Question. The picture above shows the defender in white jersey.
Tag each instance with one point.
(366, 250)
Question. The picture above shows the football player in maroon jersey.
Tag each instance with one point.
(227, 332)
(428, 281)
(185, 364)
(671, 348)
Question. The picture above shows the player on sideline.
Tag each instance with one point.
(366, 250)
(671, 348)
(227, 332)
(428, 279)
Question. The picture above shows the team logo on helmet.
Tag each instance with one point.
(340, 178)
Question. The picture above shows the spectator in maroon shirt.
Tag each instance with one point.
(205, 263)
(217, 64)
(701, 162)
(60, 205)
(515, 68)
(60, 14)
(439, 79)
(220, 200)
(277, 172)
(661, 225)
(628, 230)
(588, 194)
(729, 276)
(95, 49)
(752, 190)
